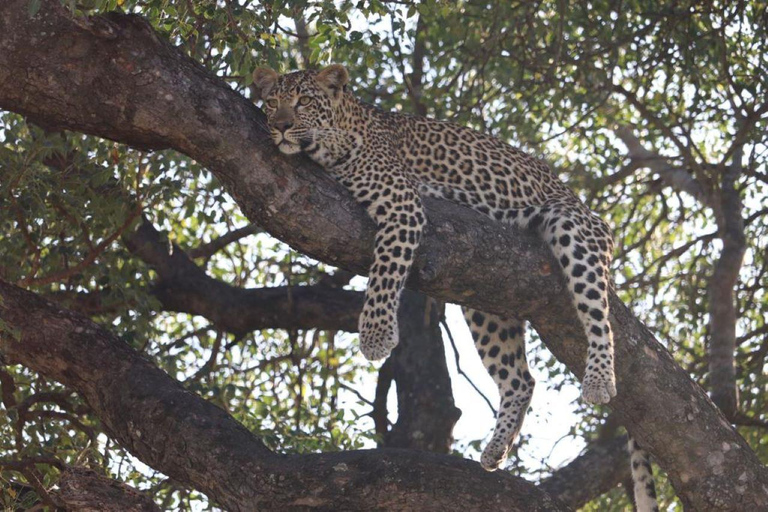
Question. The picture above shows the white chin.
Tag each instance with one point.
(289, 149)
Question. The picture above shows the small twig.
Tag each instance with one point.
(356, 392)
(180, 341)
(88, 431)
(35, 480)
(743, 420)
(27, 462)
(461, 372)
(210, 364)
(60, 399)
(207, 250)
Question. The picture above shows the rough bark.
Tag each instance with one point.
(84, 490)
(196, 443)
(113, 77)
(426, 413)
(184, 287)
(603, 466)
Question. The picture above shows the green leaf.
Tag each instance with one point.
(34, 7)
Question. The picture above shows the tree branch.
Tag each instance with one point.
(207, 250)
(603, 466)
(121, 81)
(85, 489)
(426, 413)
(198, 444)
(185, 287)
(677, 178)
(721, 293)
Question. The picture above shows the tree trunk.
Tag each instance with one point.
(426, 413)
(722, 302)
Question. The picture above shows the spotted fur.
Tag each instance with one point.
(642, 478)
(389, 161)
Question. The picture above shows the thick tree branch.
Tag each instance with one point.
(185, 287)
(85, 490)
(198, 444)
(603, 466)
(117, 79)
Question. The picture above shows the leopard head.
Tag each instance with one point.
(298, 101)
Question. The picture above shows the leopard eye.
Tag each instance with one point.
(272, 103)
(305, 100)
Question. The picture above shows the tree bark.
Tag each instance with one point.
(198, 444)
(84, 490)
(603, 466)
(426, 413)
(185, 287)
(114, 77)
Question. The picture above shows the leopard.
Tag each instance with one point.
(389, 161)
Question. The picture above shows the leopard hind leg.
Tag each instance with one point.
(642, 478)
(583, 246)
(501, 345)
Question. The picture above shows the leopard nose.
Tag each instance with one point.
(283, 125)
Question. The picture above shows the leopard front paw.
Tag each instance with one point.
(378, 341)
(598, 389)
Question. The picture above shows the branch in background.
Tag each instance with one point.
(651, 118)
(462, 373)
(602, 466)
(184, 287)
(207, 250)
(677, 178)
(726, 207)
(414, 80)
(85, 489)
(98, 302)
(302, 35)
(464, 257)
(721, 293)
(380, 412)
(198, 444)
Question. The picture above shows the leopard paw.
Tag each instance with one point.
(598, 389)
(377, 342)
(494, 456)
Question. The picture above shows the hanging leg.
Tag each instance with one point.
(501, 345)
(583, 246)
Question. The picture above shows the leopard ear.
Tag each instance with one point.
(263, 80)
(333, 79)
